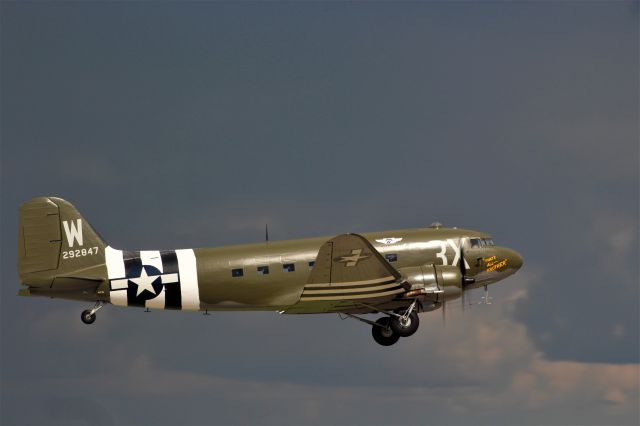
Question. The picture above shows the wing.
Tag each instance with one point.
(348, 271)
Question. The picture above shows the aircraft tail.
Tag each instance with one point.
(56, 243)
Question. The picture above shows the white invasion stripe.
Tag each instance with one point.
(188, 279)
(374, 281)
(350, 297)
(115, 263)
(118, 298)
(350, 290)
(151, 258)
(157, 302)
(115, 270)
(169, 278)
(120, 284)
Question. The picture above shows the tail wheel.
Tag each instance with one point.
(87, 317)
(383, 334)
(405, 327)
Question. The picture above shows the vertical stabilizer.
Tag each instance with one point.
(55, 241)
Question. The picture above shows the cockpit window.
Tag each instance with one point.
(481, 242)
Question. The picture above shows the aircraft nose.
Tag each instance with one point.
(514, 259)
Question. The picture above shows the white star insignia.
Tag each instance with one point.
(144, 282)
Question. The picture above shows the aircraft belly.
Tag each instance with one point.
(220, 296)
(223, 295)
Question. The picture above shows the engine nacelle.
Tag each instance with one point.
(429, 281)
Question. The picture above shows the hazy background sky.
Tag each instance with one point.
(187, 124)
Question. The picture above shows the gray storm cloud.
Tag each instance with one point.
(173, 125)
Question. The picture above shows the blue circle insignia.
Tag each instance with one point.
(144, 282)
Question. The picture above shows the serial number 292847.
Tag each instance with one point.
(70, 254)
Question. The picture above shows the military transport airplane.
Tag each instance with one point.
(396, 274)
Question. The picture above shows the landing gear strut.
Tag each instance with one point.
(405, 322)
(389, 329)
(88, 316)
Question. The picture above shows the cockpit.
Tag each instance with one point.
(481, 242)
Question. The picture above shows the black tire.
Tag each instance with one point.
(405, 329)
(383, 334)
(87, 317)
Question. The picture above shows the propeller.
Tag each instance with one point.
(463, 271)
(465, 281)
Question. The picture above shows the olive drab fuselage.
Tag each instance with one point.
(61, 256)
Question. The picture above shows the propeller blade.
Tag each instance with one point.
(462, 298)
(463, 272)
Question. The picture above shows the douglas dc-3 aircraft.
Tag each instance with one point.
(396, 273)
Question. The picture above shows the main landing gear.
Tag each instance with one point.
(89, 316)
(389, 329)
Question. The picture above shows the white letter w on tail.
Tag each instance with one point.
(74, 232)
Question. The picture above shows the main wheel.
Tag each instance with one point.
(405, 328)
(383, 334)
(87, 317)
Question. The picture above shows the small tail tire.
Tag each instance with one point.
(87, 317)
(383, 334)
(405, 328)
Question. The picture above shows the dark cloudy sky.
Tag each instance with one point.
(187, 124)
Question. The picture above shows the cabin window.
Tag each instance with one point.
(312, 263)
(263, 270)
(391, 257)
(237, 272)
(288, 267)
